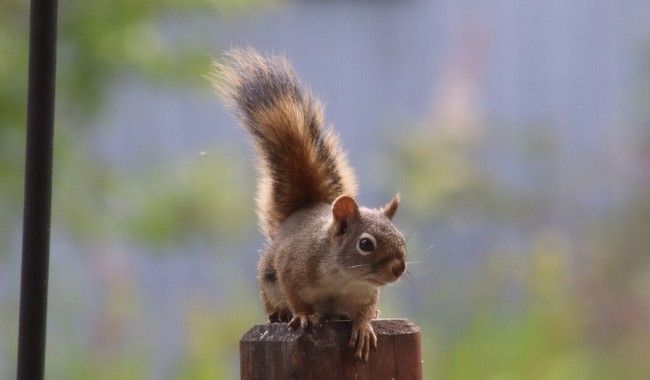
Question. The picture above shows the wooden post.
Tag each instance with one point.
(273, 351)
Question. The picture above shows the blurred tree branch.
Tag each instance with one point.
(98, 41)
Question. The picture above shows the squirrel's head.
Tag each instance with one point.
(369, 246)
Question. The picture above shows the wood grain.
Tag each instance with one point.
(273, 351)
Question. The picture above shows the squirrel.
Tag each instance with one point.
(325, 256)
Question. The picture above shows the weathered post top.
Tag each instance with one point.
(273, 351)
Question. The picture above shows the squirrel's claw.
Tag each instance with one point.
(362, 339)
(305, 321)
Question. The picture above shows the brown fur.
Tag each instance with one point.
(301, 162)
(314, 265)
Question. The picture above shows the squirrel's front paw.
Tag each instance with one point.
(305, 321)
(362, 338)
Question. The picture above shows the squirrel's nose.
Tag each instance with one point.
(399, 266)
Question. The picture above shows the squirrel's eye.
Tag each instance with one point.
(366, 244)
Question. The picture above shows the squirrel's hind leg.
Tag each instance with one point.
(275, 305)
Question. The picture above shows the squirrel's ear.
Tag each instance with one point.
(344, 208)
(391, 208)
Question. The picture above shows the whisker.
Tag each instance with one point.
(356, 266)
(347, 281)
(356, 277)
(409, 278)
(411, 231)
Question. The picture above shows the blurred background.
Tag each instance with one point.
(518, 133)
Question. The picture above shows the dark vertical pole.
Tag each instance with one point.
(38, 189)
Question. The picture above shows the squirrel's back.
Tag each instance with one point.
(300, 161)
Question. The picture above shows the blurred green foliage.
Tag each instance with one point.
(540, 340)
(98, 42)
(95, 204)
(196, 199)
(209, 353)
(585, 308)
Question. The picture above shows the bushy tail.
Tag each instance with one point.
(301, 161)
